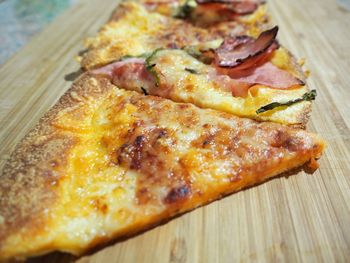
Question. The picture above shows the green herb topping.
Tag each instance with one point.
(144, 91)
(150, 66)
(195, 52)
(308, 96)
(185, 10)
(191, 70)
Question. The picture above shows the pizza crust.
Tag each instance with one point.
(29, 179)
(40, 183)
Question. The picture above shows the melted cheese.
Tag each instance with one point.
(204, 16)
(139, 159)
(202, 90)
(139, 31)
(130, 35)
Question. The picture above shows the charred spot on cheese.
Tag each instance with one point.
(99, 204)
(147, 154)
(281, 139)
(131, 153)
(177, 194)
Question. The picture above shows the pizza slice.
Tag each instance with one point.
(206, 13)
(258, 79)
(219, 68)
(133, 30)
(105, 163)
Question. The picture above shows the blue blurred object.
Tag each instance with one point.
(345, 4)
(21, 19)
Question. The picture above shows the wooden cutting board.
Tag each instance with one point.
(299, 218)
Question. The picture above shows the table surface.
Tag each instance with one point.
(299, 218)
(20, 20)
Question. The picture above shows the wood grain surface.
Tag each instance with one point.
(302, 218)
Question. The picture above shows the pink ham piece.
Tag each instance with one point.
(109, 69)
(269, 75)
(241, 7)
(266, 74)
(129, 73)
(132, 74)
(245, 51)
(246, 61)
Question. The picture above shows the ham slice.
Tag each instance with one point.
(245, 51)
(130, 74)
(270, 75)
(240, 7)
(266, 74)
(246, 61)
(109, 69)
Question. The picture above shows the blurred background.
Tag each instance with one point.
(21, 19)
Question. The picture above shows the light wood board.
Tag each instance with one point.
(299, 218)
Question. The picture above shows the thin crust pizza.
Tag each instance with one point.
(106, 163)
(180, 104)
(239, 69)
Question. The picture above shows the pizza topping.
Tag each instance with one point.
(159, 2)
(240, 7)
(144, 91)
(177, 194)
(130, 73)
(150, 66)
(269, 75)
(185, 10)
(133, 73)
(195, 52)
(192, 71)
(110, 69)
(308, 96)
(266, 74)
(245, 51)
(162, 177)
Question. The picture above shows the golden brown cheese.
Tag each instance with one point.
(204, 91)
(105, 163)
(133, 30)
(202, 15)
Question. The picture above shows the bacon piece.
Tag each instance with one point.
(245, 51)
(241, 7)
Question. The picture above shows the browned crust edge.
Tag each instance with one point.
(304, 115)
(28, 179)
